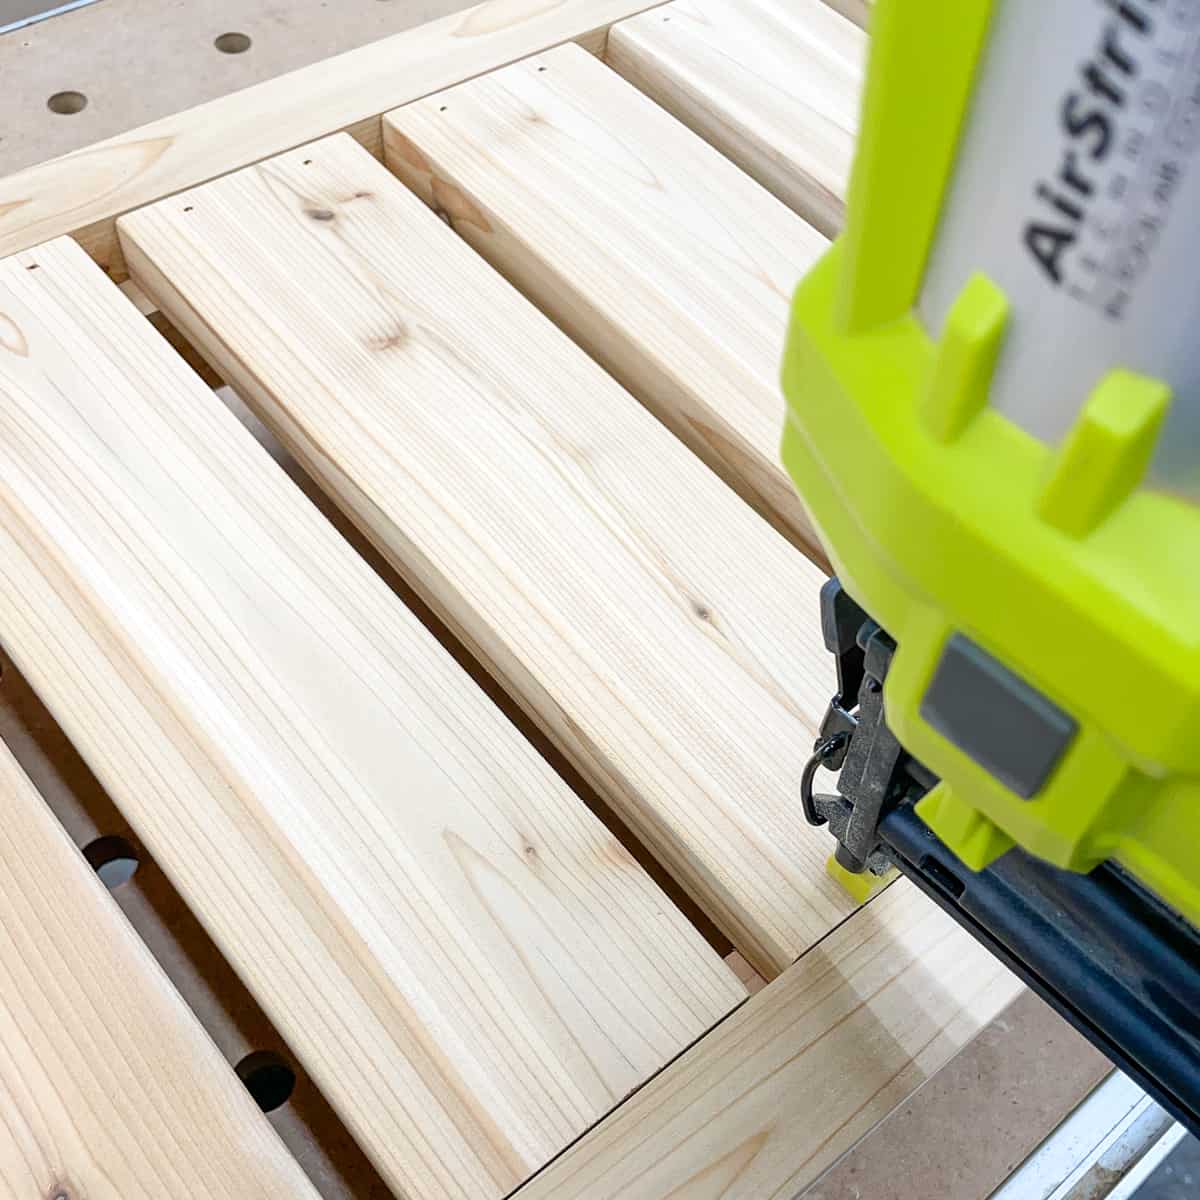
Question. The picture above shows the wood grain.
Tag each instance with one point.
(82, 193)
(181, 345)
(471, 968)
(776, 1093)
(229, 1014)
(668, 264)
(661, 633)
(773, 84)
(109, 1088)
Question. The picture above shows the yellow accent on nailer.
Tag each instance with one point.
(977, 842)
(860, 887)
(1106, 454)
(965, 359)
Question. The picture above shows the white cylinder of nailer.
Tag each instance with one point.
(1077, 191)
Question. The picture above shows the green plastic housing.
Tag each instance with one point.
(942, 516)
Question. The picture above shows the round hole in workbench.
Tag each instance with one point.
(267, 1078)
(67, 103)
(112, 858)
(232, 43)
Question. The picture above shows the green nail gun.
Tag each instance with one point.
(993, 386)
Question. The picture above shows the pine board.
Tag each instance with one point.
(83, 193)
(471, 968)
(181, 345)
(769, 1099)
(773, 84)
(109, 1088)
(659, 256)
(660, 632)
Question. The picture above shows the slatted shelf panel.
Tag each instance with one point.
(471, 968)
(773, 84)
(109, 1088)
(659, 256)
(656, 628)
(774, 1095)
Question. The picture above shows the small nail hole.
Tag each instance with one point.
(31, 266)
(187, 208)
(267, 1078)
(308, 162)
(232, 43)
(112, 858)
(67, 103)
(540, 69)
(442, 109)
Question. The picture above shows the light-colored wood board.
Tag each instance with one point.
(199, 972)
(1026, 1072)
(772, 1096)
(84, 192)
(773, 84)
(229, 1013)
(139, 60)
(491, 687)
(182, 346)
(469, 966)
(671, 267)
(109, 1088)
(659, 631)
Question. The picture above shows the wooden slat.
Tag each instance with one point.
(768, 1100)
(773, 84)
(667, 263)
(470, 966)
(661, 258)
(656, 628)
(84, 192)
(109, 1088)
(181, 345)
